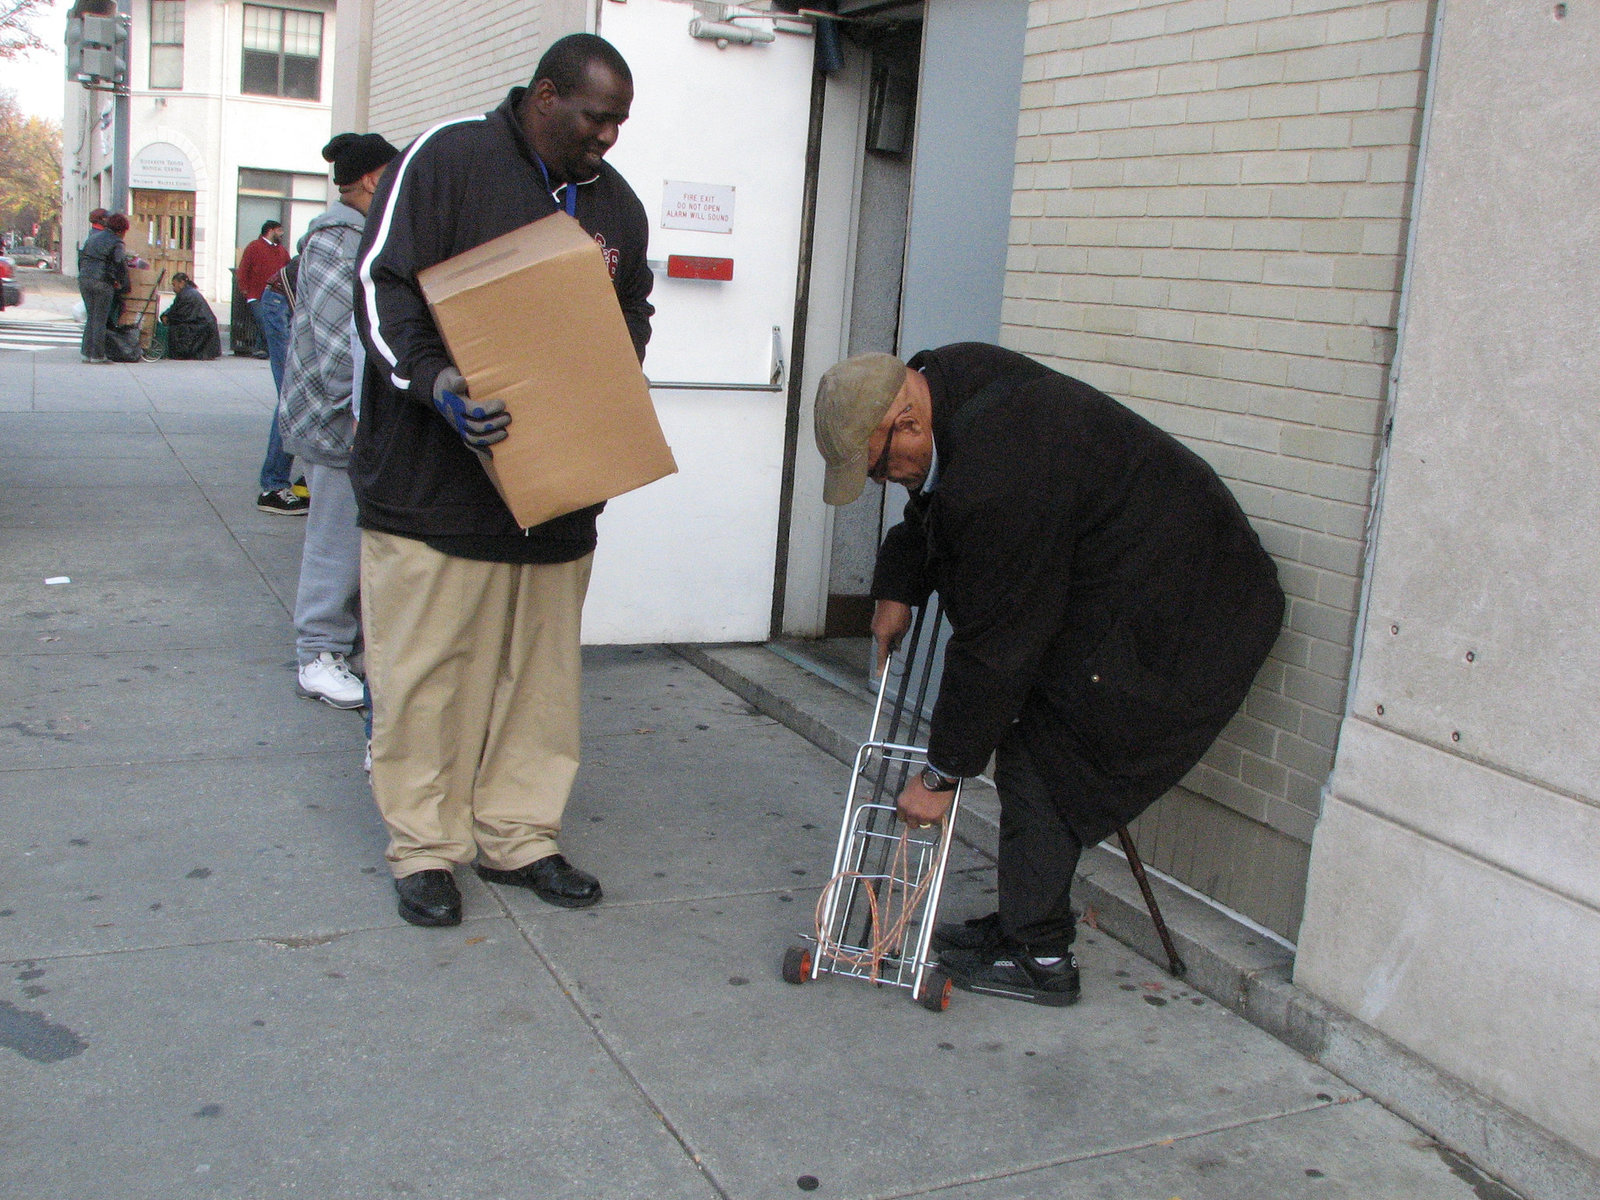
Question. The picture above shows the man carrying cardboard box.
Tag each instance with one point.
(472, 623)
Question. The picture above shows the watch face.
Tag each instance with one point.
(936, 782)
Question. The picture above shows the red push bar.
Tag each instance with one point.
(690, 266)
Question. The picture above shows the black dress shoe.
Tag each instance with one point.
(429, 898)
(554, 880)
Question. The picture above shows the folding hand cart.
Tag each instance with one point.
(157, 347)
(875, 916)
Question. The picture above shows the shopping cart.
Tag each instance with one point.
(875, 917)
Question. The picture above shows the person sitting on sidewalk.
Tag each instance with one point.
(1109, 606)
(191, 325)
(317, 423)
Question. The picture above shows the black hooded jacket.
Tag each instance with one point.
(1105, 591)
(191, 326)
(463, 183)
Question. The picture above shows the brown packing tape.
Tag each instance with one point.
(531, 318)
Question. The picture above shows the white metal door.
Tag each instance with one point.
(715, 148)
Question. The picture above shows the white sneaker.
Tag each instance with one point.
(329, 679)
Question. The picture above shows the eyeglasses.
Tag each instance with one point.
(879, 470)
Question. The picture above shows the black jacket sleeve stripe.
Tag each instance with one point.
(379, 337)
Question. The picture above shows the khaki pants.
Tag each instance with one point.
(475, 673)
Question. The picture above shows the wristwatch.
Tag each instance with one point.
(935, 782)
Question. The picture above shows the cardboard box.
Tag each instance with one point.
(532, 318)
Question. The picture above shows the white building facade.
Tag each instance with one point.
(230, 105)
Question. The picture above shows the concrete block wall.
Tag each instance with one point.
(1209, 223)
(1453, 901)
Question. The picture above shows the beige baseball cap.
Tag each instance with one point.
(852, 399)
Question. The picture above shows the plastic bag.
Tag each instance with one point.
(122, 344)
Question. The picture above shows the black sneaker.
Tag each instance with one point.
(979, 933)
(1014, 974)
(283, 500)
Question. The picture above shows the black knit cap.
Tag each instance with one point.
(354, 154)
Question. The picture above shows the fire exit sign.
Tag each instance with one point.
(707, 207)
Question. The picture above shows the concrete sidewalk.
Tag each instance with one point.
(208, 992)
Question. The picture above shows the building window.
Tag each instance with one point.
(282, 53)
(166, 43)
(288, 198)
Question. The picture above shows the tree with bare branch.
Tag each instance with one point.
(17, 38)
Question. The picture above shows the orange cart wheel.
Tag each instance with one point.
(797, 964)
(936, 989)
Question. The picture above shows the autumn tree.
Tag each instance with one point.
(30, 172)
(30, 147)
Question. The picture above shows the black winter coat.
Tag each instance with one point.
(459, 185)
(103, 259)
(191, 326)
(1106, 594)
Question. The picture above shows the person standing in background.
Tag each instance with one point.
(269, 307)
(102, 276)
(317, 423)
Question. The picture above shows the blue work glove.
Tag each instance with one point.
(480, 424)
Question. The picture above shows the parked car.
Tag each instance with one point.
(32, 256)
(10, 293)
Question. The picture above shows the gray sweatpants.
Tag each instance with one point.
(327, 604)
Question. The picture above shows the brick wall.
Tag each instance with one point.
(433, 61)
(1209, 223)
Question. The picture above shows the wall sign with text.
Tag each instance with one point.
(162, 165)
(707, 207)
